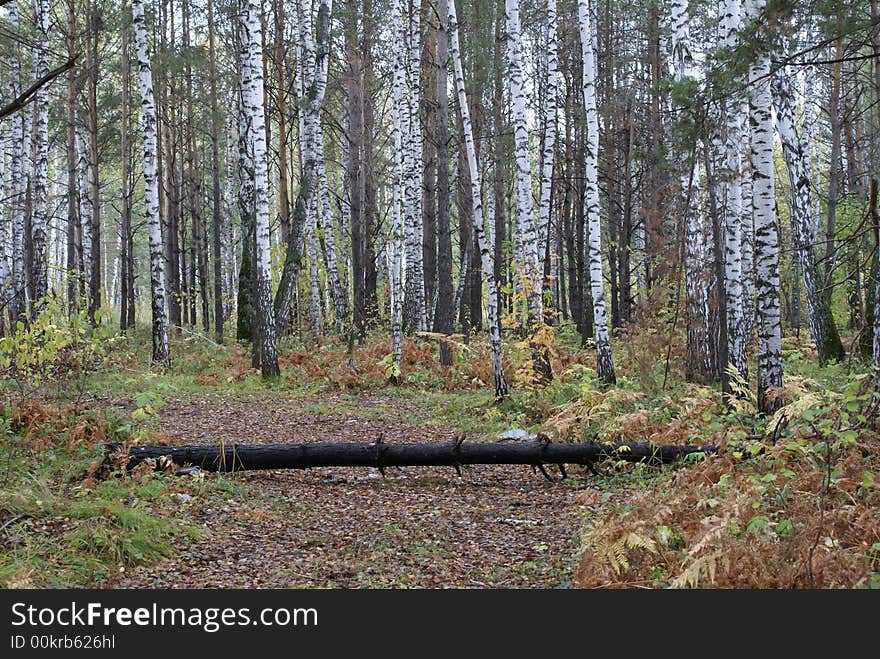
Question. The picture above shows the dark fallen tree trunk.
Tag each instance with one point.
(236, 457)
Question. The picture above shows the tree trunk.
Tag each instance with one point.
(411, 36)
(314, 98)
(525, 221)
(281, 106)
(605, 361)
(766, 234)
(94, 180)
(822, 326)
(151, 189)
(72, 273)
(444, 318)
(549, 150)
(429, 194)
(700, 367)
(40, 221)
(240, 457)
(253, 88)
(476, 188)
(217, 219)
(126, 258)
(733, 215)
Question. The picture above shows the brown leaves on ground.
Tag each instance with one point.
(767, 522)
(497, 526)
(42, 423)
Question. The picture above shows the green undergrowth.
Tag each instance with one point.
(62, 525)
(68, 389)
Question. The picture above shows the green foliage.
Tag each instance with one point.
(391, 367)
(56, 345)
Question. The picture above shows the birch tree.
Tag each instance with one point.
(39, 221)
(766, 230)
(604, 358)
(401, 222)
(151, 189)
(314, 87)
(15, 192)
(493, 311)
(823, 329)
(547, 155)
(731, 22)
(252, 87)
(337, 290)
(525, 221)
(410, 34)
(6, 189)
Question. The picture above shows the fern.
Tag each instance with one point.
(615, 553)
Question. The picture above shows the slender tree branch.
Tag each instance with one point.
(25, 97)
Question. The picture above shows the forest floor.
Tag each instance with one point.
(789, 501)
(348, 527)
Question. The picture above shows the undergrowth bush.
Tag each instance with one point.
(801, 512)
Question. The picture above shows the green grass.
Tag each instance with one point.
(63, 530)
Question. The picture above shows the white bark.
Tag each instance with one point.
(312, 82)
(16, 191)
(732, 206)
(415, 310)
(525, 220)
(604, 359)
(40, 220)
(493, 312)
(766, 232)
(229, 252)
(554, 83)
(253, 100)
(314, 283)
(337, 290)
(400, 213)
(5, 205)
(801, 202)
(151, 188)
(85, 204)
(747, 226)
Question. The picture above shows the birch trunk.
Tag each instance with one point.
(314, 283)
(253, 101)
(493, 311)
(6, 188)
(337, 290)
(822, 327)
(415, 273)
(246, 329)
(766, 232)
(151, 189)
(732, 208)
(547, 157)
(604, 358)
(401, 221)
(230, 257)
(39, 223)
(525, 221)
(216, 219)
(16, 191)
(85, 212)
(314, 86)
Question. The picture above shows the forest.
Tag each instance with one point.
(432, 293)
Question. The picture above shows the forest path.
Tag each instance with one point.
(496, 526)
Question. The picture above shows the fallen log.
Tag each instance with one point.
(238, 457)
